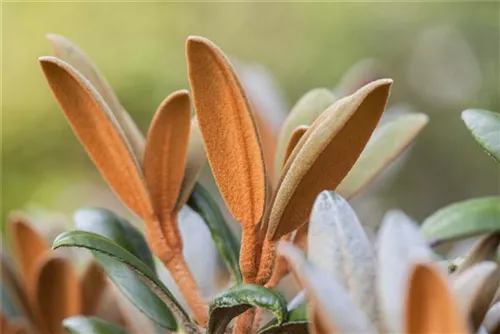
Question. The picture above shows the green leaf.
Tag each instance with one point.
(386, 144)
(116, 229)
(227, 244)
(463, 219)
(91, 325)
(240, 298)
(485, 127)
(296, 323)
(115, 259)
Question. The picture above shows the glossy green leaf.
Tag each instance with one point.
(225, 241)
(91, 325)
(120, 256)
(139, 294)
(485, 127)
(240, 298)
(386, 144)
(296, 323)
(111, 226)
(463, 219)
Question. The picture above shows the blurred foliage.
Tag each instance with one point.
(139, 47)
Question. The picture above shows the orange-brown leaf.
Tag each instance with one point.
(430, 306)
(93, 285)
(97, 129)
(57, 293)
(229, 131)
(165, 157)
(292, 142)
(73, 55)
(325, 154)
(28, 248)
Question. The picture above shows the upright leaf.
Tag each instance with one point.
(73, 55)
(485, 127)
(28, 248)
(463, 219)
(327, 153)
(336, 311)
(86, 325)
(486, 249)
(93, 288)
(386, 144)
(57, 293)
(400, 245)
(229, 131)
(240, 298)
(303, 113)
(292, 142)
(227, 244)
(98, 131)
(338, 245)
(430, 306)
(115, 228)
(165, 158)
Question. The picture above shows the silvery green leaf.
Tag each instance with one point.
(400, 243)
(336, 310)
(338, 244)
(475, 289)
(485, 127)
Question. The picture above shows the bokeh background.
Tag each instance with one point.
(443, 57)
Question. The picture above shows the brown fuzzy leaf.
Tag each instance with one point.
(430, 306)
(73, 55)
(484, 250)
(57, 293)
(93, 286)
(195, 160)
(97, 129)
(28, 248)
(229, 131)
(165, 157)
(292, 142)
(325, 154)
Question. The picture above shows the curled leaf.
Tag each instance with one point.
(240, 298)
(74, 56)
(430, 306)
(463, 219)
(98, 131)
(327, 153)
(386, 144)
(303, 113)
(338, 245)
(297, 133)
(336, 311)
(485, 127)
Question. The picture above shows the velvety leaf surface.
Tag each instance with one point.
(115, 228)
(386, 144)
(87, 325)
(485, 127)
(114, 259)
(463, 219)
(240, 298)
(227, 244)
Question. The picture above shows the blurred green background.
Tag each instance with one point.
(443, 57)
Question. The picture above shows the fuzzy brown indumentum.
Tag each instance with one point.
(154, 176)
